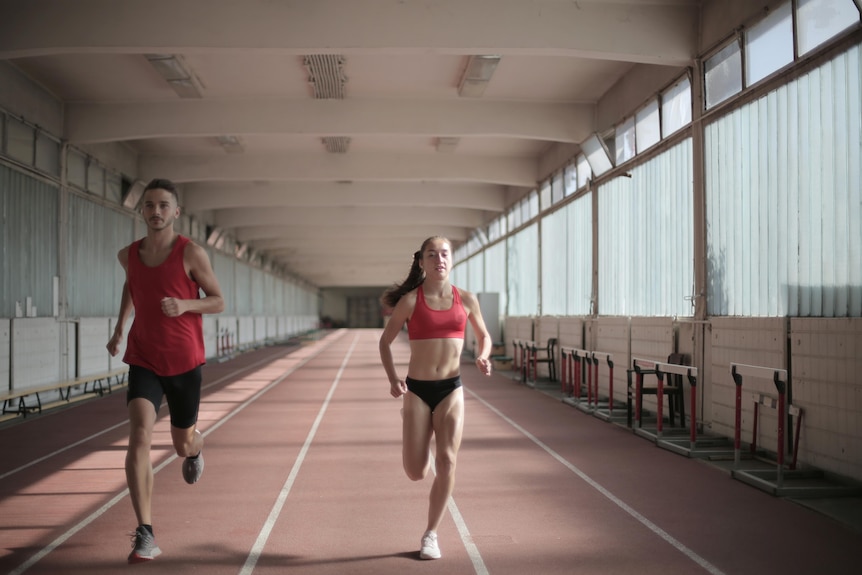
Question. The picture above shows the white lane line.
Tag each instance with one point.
(709, 567)
(124, 422)
(467, 539)
(117, 498)
(268, 525)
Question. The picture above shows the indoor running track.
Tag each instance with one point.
(303, 476)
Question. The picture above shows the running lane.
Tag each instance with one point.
(303, 475)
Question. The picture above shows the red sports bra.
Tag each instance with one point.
(427, 323)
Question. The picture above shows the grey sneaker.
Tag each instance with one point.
(193, 468)
(144, 546)
(429, 548)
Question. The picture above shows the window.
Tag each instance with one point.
(545, 195)
(47, 154)
(76, 168)
(584, 171)
(20, 140)
(571, 180)
(647, 127)
(723, 74)
(676, 107)
(625, 141)
(769, 45)
(819, 20)
(597, 155)
(557, 189)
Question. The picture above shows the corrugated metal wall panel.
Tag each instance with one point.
(555, 263)
(784, 199)
(95, 276)
(476, 273)
(646, 238)
(495, 273)
(579, 255)
(28, 242)
(223, 267)
(523, 271)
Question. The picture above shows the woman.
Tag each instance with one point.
(436, 314)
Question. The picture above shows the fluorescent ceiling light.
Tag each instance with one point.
(231, 144)
(597, 155)
(476, 75)
(447, 144)
(176, 74)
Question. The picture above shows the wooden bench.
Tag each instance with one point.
(101, 383)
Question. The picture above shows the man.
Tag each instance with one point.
(165, 273)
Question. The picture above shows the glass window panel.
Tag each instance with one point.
(114, 187)
(532, 206)
(95, 178)
(723, 74)
(819, 20)
(571, 179)
(47, 154)
(76, 168)
(676, 107)
(545, 197)
(647, 126)
(596, 154)
(584, 171)
(769, 45)
(625, 141)
(20, 141)
(557, 190)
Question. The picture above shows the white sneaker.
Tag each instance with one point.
(429, 549)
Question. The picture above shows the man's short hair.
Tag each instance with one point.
(163, 184)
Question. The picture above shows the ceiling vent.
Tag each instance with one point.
(177, 74)
(476, 76)
(337, 144)
(447, 144)
(326, 75)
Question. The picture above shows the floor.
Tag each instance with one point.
(303, 471)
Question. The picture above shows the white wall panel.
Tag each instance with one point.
(35, 360)
(5, 336)
(93, 335)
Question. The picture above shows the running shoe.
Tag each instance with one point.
(429, 549)
(193, 468)
(144, 546)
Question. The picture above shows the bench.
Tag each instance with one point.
(16, 400)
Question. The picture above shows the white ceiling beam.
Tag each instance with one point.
(202, 197)
(519, 172)
(273, 235)
(652, 32)
(96, 123)
(246, 217)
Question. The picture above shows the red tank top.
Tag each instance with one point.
(427, 323)
(165, 345)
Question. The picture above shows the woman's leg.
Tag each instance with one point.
(448, 424)
(416, 437)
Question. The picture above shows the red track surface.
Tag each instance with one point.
(303, 471)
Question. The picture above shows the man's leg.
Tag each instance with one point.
(139, 468)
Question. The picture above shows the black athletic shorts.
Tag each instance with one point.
(182, 391)
(433, 392)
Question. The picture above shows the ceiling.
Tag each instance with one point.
(337, 108)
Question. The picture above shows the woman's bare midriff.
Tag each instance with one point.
(435, 359)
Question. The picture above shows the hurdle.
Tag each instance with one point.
(779, 379)
(604, 412)
(571, 372)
